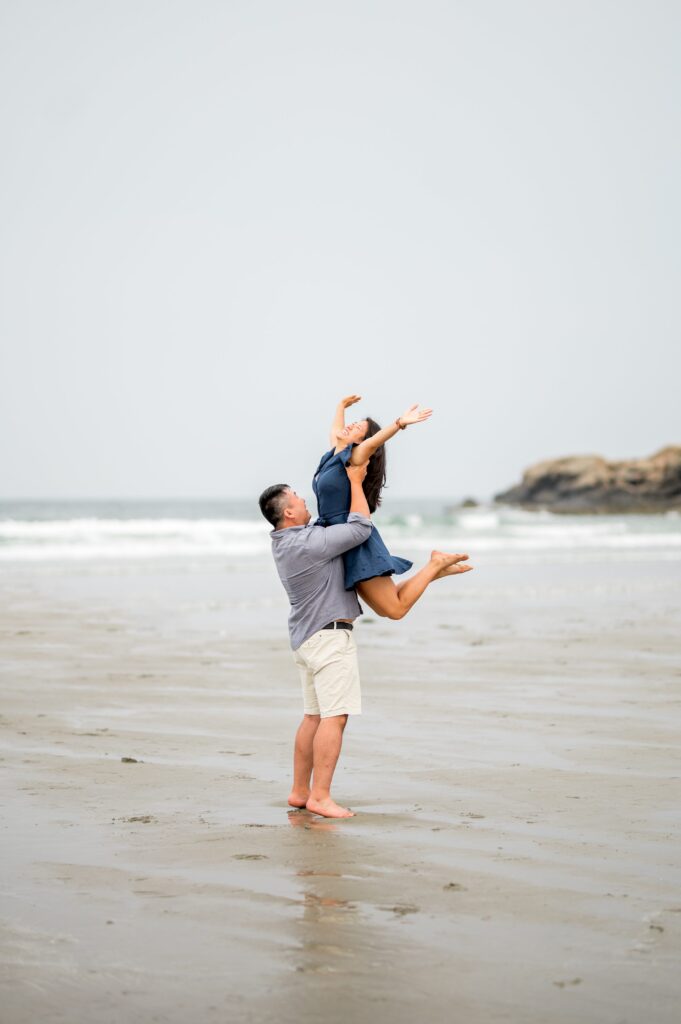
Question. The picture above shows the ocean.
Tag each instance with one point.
(197, 532)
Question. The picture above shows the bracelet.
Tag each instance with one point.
(400, 426)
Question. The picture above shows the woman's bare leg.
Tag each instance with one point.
(393, 600)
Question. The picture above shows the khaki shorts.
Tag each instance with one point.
(329, 673)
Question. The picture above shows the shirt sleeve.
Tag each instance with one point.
(327, 542)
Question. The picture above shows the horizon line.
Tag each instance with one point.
(217, 498)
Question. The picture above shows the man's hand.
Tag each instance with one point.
(415, 415)
(356, 474)
(349, 400)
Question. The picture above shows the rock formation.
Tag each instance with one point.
(589, 483)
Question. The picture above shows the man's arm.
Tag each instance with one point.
(358, 499)
(331, 541)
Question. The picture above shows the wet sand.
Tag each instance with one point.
(516, 776)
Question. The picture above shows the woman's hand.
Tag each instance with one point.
(345, 403)
(414, 415)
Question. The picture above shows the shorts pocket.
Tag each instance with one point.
(311, 642)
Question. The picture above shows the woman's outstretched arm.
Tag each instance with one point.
(363, 452)
(339, 418)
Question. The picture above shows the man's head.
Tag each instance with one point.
(282, 507)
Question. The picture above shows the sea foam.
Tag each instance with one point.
(498, 531)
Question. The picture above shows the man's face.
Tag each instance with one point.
(296, 512)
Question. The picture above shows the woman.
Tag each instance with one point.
(370, 566)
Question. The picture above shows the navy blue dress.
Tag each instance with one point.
(332, 491)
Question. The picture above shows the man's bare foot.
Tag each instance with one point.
(449, 565)
(328, 808)
(298, 798)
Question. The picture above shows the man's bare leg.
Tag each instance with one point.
(327, 747)
(302, 760)
(393, 600)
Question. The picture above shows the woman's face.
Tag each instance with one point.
(353, 433)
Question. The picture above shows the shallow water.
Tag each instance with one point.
(192, 534)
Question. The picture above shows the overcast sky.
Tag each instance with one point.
(219, 217)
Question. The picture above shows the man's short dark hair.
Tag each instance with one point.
(273, 501)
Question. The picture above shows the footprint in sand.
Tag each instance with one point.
(402, 909)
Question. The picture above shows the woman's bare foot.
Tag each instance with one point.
(449, 564)
(298, 798)
(453, 570)
(328, 808)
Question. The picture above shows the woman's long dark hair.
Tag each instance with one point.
(374, 481)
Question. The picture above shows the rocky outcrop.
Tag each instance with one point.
(589, 483)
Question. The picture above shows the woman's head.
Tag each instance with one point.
(353, 433)
(374, 481)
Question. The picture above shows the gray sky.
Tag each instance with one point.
(218, 217)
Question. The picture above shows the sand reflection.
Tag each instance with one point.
(330, 920)
(305, 819)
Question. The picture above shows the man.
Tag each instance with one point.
(310, 564)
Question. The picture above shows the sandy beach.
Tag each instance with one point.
(516, 776)
(238, 239)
